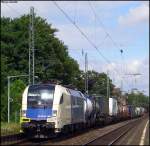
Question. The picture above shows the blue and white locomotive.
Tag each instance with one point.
(49, 108)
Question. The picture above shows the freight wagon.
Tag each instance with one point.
(131, 111)
(138, 111)
(113, 108)
(103, 110)
(124, 114)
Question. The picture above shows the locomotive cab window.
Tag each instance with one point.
(40, 96)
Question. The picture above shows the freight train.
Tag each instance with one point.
(49, 109)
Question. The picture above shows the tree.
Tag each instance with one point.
(52, 60)
(98, 83)
(138, 99)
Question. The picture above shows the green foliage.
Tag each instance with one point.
(98, 83)
(52, 60)
(9, 129)
(3, 106)
(16, 89)
(138, 99)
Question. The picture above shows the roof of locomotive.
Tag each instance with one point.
(51, 85)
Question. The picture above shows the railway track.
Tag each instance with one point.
(114, 135)
(107, 135)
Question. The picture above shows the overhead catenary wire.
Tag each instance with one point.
(107, 33)
(102, 42)
(75, 12)
(83, 34)
(102, 25)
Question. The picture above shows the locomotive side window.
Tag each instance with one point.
(61, 99)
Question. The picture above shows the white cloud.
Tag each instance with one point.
(12, 10)
(47, 8)
(135, 15)
(77, 41)
(116, 72)
(134, 66)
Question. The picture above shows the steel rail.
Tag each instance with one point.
(116, 139)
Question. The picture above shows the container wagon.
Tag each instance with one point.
(113, 109)
(131, 111)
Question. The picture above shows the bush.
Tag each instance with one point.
(9, 128)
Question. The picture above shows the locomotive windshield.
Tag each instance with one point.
(40, 96)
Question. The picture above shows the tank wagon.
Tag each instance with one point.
(49, 109)
(102, 114)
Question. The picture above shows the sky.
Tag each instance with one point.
(109, 25)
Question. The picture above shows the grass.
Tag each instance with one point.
(9, 128)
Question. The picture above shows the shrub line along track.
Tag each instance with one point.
(113, 136)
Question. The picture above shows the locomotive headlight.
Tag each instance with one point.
(24, 113)
(55, 113)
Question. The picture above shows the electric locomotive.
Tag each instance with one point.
(49, 108)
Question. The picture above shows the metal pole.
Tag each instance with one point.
(32, 12)
(30, 51)
(108, 94)
(85, 72)
(8, 99)
(135, 82)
